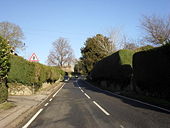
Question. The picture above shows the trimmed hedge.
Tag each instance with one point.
(144, 48)
(152, 71)
(116, 67)
(31, 73)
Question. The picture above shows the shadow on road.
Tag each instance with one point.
(88, 86)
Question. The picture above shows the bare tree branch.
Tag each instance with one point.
(157, 29)
(61, 54)
(117, 37)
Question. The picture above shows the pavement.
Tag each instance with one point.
(26, 106)
(80, 105)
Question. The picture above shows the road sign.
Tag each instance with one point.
(34, 58)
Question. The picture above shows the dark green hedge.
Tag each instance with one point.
(31, 73)
(116, 67)
(152, 71)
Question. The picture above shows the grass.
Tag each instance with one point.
(7, 105)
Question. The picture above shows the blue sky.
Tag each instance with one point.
(44, 21)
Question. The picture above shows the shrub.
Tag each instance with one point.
(4, 68)
(3, 93)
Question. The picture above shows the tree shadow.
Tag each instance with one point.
(129, 101)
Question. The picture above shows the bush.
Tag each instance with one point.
(31, 73)
(152, 72)
(4, 68)
(3, 93)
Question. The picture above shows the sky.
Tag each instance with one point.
(44, 21)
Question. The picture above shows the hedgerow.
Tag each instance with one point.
(116, 68)
(31, 73)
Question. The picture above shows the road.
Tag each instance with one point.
(80, 105)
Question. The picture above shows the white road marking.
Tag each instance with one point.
(101, 108)
(50, 99)
(32, 119)
(87, 96)
(130, 98)
(46, 104)
(82, 90)
(121, 126)
(57, 91)
(80, 87)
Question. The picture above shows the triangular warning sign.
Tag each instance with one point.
(34, 58)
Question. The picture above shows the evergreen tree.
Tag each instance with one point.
(4, 68)
(95, 49)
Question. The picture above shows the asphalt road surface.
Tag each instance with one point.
(80, 105)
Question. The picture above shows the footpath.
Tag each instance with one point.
(26, 106)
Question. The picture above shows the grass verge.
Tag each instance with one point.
(6, 106)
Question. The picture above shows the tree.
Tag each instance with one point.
(79, 68)
(157, 29)
(4, 58)
(96, 48)
(61, 54)
(117, 37)
(13, 34)
(130, 46)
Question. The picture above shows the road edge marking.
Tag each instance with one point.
(38, 112)
(32, 119)
(58, 91)
(46, 104)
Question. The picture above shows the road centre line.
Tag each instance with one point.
(96, 103)
(101, 108)
(32, 119)
(46, 104)
(50, 99)
(58, 91)
(87, 96)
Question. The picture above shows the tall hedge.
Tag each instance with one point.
(116, 67)
(4, 68)
(152, 71)
(31, 73)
